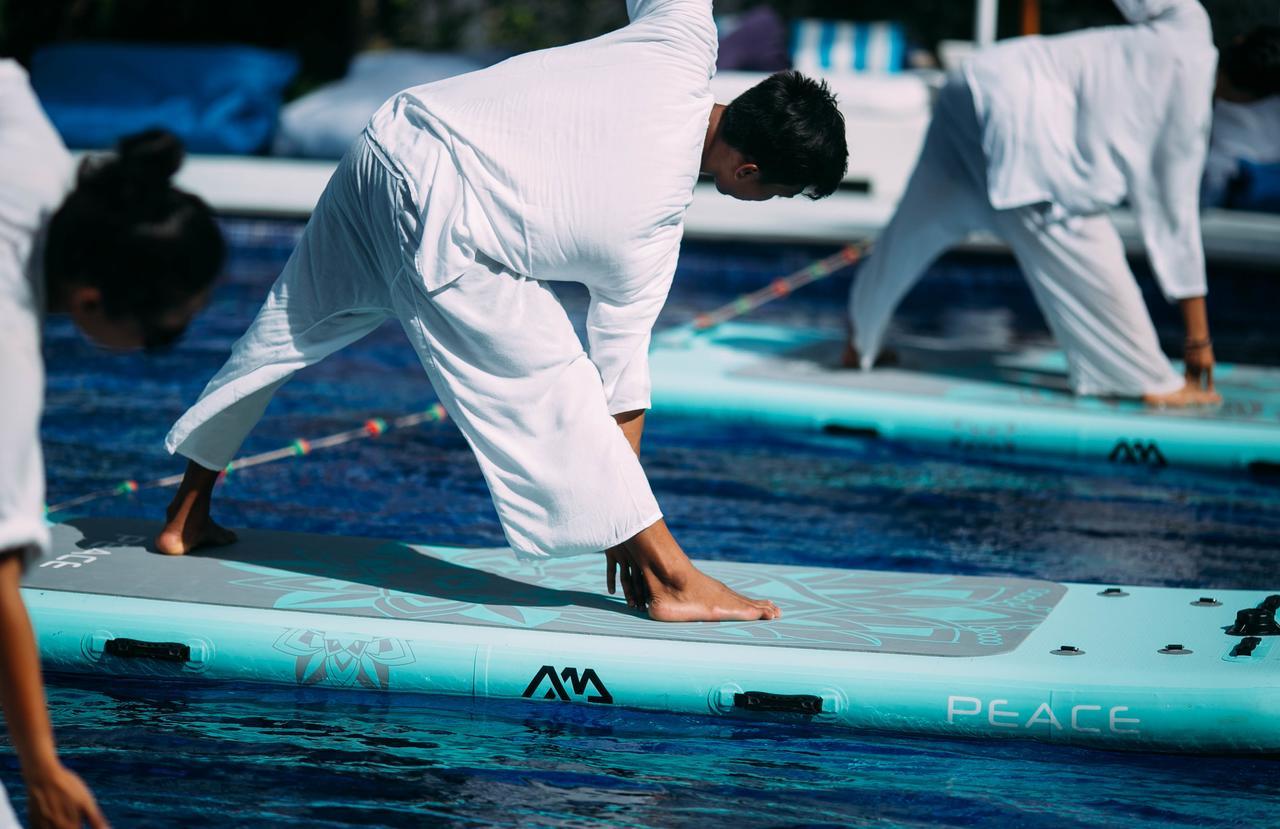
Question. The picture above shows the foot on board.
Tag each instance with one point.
(850, 359)
(189, 527)
(1185, 397)
(700, 598)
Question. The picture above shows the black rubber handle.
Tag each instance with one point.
(786, 703)
(138, 649)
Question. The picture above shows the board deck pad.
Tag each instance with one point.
(1025, 376)
(842, 610)
(989, 401)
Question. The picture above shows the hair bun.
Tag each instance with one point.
(150, 158)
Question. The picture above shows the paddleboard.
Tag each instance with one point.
(964, 656)
(990, 402)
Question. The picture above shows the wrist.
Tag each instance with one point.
(41, 764)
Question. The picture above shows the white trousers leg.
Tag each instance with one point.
(332, 291)
(944, 201)
(502, 354)
(1081, 280)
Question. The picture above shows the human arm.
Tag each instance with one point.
(1164, 193)
(620, 317)
(57, 797)
(1197, 348)
(632, 425)
(1171, 233)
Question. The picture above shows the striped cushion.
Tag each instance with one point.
(835, 46)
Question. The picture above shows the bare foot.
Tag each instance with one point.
(187, 524)
(696, 597)
(851, 359)
(1185, 397)
(656, 575)
(180, 537)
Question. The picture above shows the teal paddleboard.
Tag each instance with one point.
(992, 402)
(1114, 667)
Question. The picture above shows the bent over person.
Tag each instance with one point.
(453, 211)
(1035, 141)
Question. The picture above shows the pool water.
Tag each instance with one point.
(168, 754)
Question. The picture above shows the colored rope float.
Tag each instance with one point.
(783, 286)
(301, 447)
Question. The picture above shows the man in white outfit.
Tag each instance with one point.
(1035, 141)
(454, 211)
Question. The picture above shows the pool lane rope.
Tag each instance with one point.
(297, 448)
(301, 447)
(783, 286)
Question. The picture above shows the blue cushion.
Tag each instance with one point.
(1256, 187)
(218, 99)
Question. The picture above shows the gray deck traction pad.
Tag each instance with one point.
(1032, 376)
(843, 610)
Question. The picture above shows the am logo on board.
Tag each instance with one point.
(548, 683)
(1137, 452)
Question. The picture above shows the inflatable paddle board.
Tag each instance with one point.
(1116, 667)
(982, 401)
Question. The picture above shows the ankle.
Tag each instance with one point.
(188, 500)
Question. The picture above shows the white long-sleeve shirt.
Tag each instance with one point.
(576, 163)
(35, 172)
(1083, 121)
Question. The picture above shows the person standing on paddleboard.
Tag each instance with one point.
(130, 259)
(1034, 141)
(453, 213)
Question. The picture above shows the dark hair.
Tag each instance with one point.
(789, 125)
(1252, 63)
(127, 231)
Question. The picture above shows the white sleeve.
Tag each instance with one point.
(1165, 196)
(619, 326)
(22, 525)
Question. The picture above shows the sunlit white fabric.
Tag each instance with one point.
(462, 199)
(1083, 121)
(35, 172)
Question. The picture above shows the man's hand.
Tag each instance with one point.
(618, 568)
(1198, 359)
(1197, 350)
(58, 799)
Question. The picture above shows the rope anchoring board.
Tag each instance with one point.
(300, 447)
(783, 286)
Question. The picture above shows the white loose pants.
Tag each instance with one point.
(498, 348)
(1076, 267)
